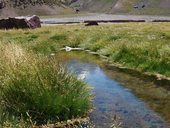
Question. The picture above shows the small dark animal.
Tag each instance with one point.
(143, 6)
(91, 23)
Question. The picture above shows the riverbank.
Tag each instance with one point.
(141, 46)
(115, 92)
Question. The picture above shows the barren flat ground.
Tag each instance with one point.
(95, 16)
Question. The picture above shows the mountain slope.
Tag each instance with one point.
(54, 7)
(156, 7)
(13, 8)
(94, 5)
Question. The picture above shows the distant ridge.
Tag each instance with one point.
(11, 8)
(54, 7)
(145, 7)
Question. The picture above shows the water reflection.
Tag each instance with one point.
(116, 93)
(112, 98)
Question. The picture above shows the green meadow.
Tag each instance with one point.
(142, 46)
(36, 87)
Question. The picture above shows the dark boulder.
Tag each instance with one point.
(91, 23)
(77, 10)
(161, 20)
(20, 22)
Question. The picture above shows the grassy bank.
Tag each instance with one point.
(142, 46)
(35, 89)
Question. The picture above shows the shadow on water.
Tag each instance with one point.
(138, 103)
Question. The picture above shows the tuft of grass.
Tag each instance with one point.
(36, 87)
(8, 121)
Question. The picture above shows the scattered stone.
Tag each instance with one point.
(77, 122)
(92, 23)
(135, 6)
(77, 10)
(74, 123)
(20, 22)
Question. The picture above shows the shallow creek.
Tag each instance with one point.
(134, 102)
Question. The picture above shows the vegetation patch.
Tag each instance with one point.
(145, 49)
(36, 89)
(34, 85)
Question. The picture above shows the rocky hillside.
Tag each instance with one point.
(156, 7)
(11, 8)
(54, 7)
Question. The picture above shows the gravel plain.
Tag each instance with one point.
(101, 17)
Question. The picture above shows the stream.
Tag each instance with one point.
(120, 96)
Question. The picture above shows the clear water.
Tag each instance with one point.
(113, 97)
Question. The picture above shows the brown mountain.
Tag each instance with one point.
(54, 7)
(153, 7)
(11, 8)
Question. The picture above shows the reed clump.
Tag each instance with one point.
(36, 89)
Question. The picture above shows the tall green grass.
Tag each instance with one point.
(36, 89)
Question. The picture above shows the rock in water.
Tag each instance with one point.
(20, 22)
